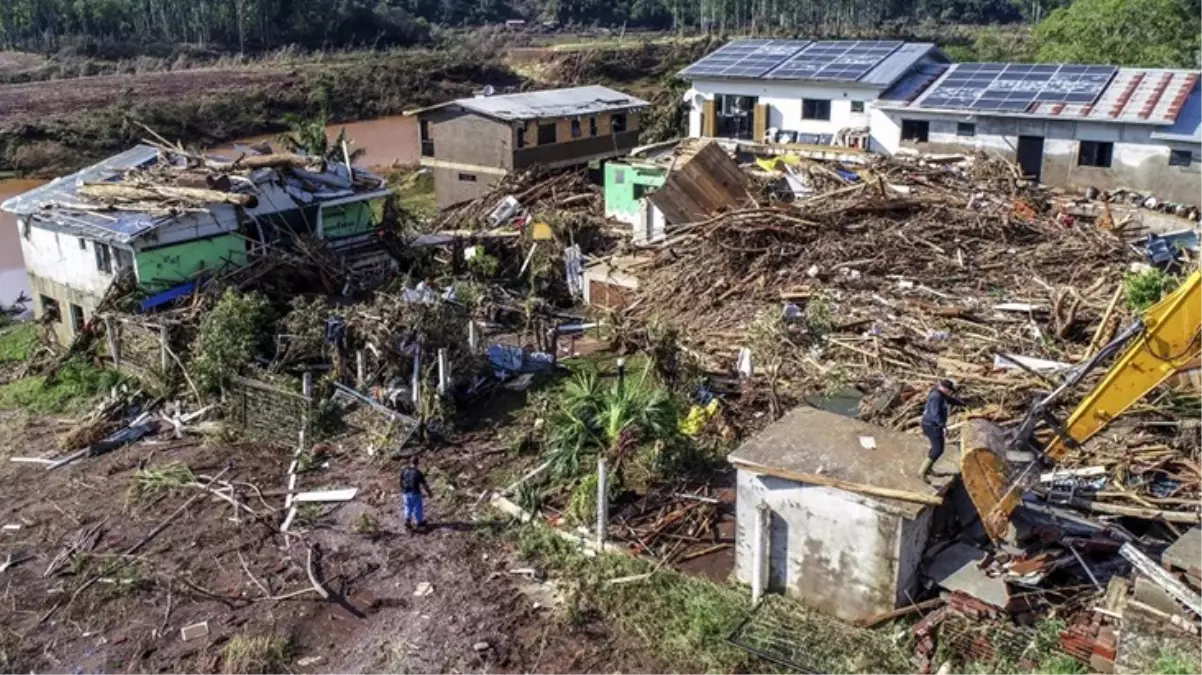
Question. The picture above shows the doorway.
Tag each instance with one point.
(778, 554)
(1030, 156)
(735, 116)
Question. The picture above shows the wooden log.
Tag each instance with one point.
(876, 620)
(1134, 512)
(827, 481)
(122, 192)
(277, 160)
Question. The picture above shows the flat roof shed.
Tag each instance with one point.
(831, 510)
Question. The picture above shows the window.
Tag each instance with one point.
(427, 139)
(619, 176)
(1095, 153)
(576, 132)
(857, 106)
(467, 177)
(125, 258)
(618, 123)
(83, 244)
(546, 134)
(76, 318)
(522, 136)
(915, 131)
(815, 109)
(50, 308)
(966, 129)
(1181, 157)
(104, 258)
(641, 191)
(592, 126)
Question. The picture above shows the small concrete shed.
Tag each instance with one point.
(841, 550)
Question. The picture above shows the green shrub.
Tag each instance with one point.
(229, 335)
(1146, 288)
(77, 383)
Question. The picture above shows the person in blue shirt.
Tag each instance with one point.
(413, 482)
(934, 421)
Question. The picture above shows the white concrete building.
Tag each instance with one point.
(1142, 130)
(841, 551)
(820, 93)
(1072, 126)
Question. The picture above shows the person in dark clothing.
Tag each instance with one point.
(413, 482)
(934, 421)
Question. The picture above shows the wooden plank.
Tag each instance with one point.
(709, 119)
(1162, 577)
(827, 481)
(760, 122)
(327, 496)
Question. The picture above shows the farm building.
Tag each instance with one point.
(811, 519)
(1066, 125)
(471, 143)
(74, 245)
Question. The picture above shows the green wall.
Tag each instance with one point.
(169, 266)
(345, 220)
(620, 182)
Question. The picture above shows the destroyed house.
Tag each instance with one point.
(147, 213)
(471, 143)
(798, 91)
(826, 513)
(1068, 125)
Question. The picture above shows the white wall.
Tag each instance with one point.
(1139, 161)
(58, 257)
(841, 550)
(784, 103)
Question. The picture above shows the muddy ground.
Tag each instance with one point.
(208, 566)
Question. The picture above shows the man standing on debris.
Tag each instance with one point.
(413, 482)
(934, 421)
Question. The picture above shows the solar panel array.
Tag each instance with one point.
(745, 58)
(838, 61)
(1014, 87)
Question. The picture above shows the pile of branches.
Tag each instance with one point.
(908, 278)
(565, 193)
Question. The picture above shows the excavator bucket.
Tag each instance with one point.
(983, 469)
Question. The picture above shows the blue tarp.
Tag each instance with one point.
(167, 296)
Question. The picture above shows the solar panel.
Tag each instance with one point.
(1015, 87)
(837, 61)
(745, 58)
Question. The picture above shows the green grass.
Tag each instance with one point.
(415, 192)
(682, 619)
(17, 342)
(1172, 662)
(245, 654)
(77, 384)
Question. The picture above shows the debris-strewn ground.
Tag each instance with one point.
(207, 567)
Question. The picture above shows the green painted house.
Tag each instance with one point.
(627, 184)
(74, 249)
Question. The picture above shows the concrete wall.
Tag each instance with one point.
(450, 189)
(784, 103)
(1139, 162)
(468, 138)
(838, 552)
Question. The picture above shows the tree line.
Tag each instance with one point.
(1130, 32)
(249, 25)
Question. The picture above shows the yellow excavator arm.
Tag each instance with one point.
(1164, 340)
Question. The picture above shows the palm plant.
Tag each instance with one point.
(308, 137)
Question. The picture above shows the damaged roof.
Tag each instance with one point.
(1154, 96)
(532, 105)
(813, 441)
(59, 203)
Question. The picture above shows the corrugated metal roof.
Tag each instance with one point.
(1188, 126)
(61, 193)
(59, 202)
(899, 63)
(548, 103)
(1135, 96)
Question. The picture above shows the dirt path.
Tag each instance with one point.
(200, 569)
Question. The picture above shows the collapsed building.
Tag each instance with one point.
(169, 217)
